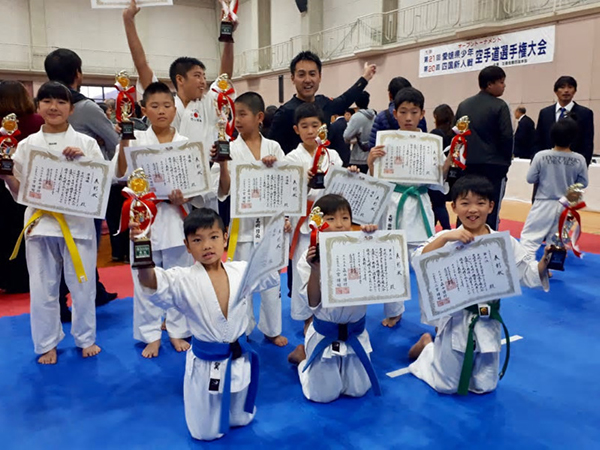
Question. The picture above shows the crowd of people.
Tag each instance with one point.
(192, 295)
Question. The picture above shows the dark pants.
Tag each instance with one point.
(120, 243)
(497, 176)
(440, 212)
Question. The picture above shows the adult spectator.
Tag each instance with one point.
(358, 132)
(336, 136)
(565, 89)
(268, 120)
(306, 70)
(111, 103)
(14, 278)
(385, 120)
(490, 144)
(444, 119)
(524, 134)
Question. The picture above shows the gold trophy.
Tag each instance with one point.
(140, 212)
(316, 224)
(229, 8)
(321, 161)
(223, 105)
(8, 143)
(125, 105)
(458, 149)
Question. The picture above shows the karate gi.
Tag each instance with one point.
(440, 363)
(270, 300)
(300, 156)
(333, 373)
(191, 292)
(47, 255)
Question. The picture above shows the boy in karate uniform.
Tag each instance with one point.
(47, 249)
(330, 365)
(219, 386)
(251, 146)
(167, 232)
(440, 363)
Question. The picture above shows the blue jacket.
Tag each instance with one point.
(382, 123)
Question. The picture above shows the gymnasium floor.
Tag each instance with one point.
(119, 400)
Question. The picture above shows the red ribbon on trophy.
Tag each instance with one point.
(458, 149)
(225, 92)
(321, 152)
(125, 96)
(570, 214)
(8, 132)
(145, 207)
(230, 9)
(316, 224)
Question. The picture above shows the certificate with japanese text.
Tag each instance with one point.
(464, 275)
(363, 268)
(411, 158)
(270, 255)
(175, 165)
(125, 3)
(368, 196)
(51, 182)
(258, 191)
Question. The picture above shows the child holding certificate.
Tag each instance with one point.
(466, 352)
(56, 241)
(334, 360)
(251, 145)
(410, 208)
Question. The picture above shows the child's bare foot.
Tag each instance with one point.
(391, 322)
(92, 350)
(298, 355)
(279, 341)
(151, 350)
(49, 357)
(181, 345)
(416, 349)
(307, 323)
(163, 327)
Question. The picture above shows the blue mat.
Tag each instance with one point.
(119, 400)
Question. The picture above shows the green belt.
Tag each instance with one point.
(467, 368)
(412, 191)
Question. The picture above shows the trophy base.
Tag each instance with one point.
(317, 181)
(557, 259)
(6, 166)
(226, 32)
(223, 151)
(454, 173)
(142, 255)
(127, 133)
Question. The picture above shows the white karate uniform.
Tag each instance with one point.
(440, 363)
(270, 300)
(541, 224)
(47, 255)
(333, 374)
(190, 291)
(301, 156)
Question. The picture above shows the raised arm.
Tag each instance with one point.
(135, 45)
(227, 59)
(343, 102)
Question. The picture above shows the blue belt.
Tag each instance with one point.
(348, 333)
(216, 351)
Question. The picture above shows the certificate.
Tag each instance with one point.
(453, 279)
(53, 183)
(368, 196)
(270, 255)
(125, 3)
(411, 158)
(363, 268)
(175, 165)
(258, 191)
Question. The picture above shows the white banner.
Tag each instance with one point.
(98, 4)
(520, 48)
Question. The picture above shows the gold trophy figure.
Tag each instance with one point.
(565, 238)
(458, 149)
(8, 143)
(224, 112)
(229, 8)
(140, 212)
(125, 105)
(321, 161)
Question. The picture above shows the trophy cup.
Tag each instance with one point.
(321, 161)
(316, 224)
(228, 18)
(8, 142)
(125, 105)
(458, 149)
(226, 114)
(142, 213)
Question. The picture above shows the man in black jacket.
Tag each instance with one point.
(306, 76)
(490, 145)
(336, 136)
(565, 89)
(524, 134)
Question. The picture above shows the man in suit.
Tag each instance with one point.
(565, 89)
(336, 136)
(524, 134)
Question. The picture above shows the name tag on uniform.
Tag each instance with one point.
(339, 348)
(214, 384)
(484, 310)
(259, 230)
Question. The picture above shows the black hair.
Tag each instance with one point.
(103, 106)
(350, 111)
(54, 90)
(363, 100)
(252, 100)
(62, 65)
(564, 132)
(158, 87)
(138, 110)
(332, 203)
(444, 118)
(306, 110)
(489, 75)
(563, 81)
(522, 109)
(396, 85)
(475, 184)
(181, 66)
(202, 218)
(305, 56)
(409, 95)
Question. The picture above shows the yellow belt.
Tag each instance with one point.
(234, 231)
(71, 246)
